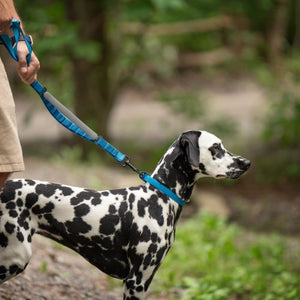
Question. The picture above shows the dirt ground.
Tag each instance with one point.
(57, 273)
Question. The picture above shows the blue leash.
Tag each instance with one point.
(66, 118)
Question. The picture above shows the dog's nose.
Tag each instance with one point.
(245, 164)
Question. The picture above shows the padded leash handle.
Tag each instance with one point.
(12, 48)
(66, 118)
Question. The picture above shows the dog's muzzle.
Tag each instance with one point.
(238, 168)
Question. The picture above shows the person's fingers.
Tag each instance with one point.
(32, 69)
(28, 73)
(22, 67)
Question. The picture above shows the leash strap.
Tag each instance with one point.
(66, 118)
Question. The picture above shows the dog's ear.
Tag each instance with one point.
(189, 142)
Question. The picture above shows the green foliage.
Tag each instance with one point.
(283, 125)
(215, 260)
(281, 134)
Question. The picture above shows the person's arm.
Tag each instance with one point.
(27, 73)
(7, 13)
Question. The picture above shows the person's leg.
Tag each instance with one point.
(11, 157)
(3, 178)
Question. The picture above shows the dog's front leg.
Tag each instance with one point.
(139, 279)
(134, 287)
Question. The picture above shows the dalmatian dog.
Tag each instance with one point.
(125, 233)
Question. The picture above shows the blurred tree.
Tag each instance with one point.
(297, 25)
(277, 32)
(95, 83)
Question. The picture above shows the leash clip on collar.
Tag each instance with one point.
(66, 118)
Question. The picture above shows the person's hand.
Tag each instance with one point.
(28, 74)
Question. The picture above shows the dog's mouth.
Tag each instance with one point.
(232, 175)
(221, 176)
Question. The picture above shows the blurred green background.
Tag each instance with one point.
(141, 72)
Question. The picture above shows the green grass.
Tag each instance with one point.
(213, 260)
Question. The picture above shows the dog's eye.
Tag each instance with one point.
(217, 151)
(216, 147)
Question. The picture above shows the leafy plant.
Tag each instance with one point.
(216, 260)
(283, 125)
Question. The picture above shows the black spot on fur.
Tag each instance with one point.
(46, 189)
(156, 210)
(19, 202)
(123, 208)
(13, 213)
(10, 205)
(77, 225)
(146, 234)
(3, 240)
(80, 197)
(3, 269)
(155, 238)
(43, 210)
(9, 190)
(9, 227)
(30, 182)
(131, 200)
(49, 190)
(203, 169)
(30, 200)
(20, 237)
(81, 210)
(118, 192)
(22, 220)
(112, 210)
(13, 269)
(96, 201)
(142, 208)
(108, 223)
(135, 235)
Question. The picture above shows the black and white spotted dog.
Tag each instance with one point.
(126, 233)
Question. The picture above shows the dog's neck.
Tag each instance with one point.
(175, 172)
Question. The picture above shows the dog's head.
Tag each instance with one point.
(206, 153)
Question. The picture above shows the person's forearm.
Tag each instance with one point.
(7, 13)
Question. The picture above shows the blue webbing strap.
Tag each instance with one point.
(70, 121)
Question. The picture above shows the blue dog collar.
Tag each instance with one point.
(162, 188)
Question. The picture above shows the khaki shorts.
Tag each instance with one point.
(11, 157)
